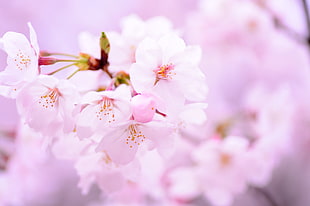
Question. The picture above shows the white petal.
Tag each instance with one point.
(13, 42)
(34, 39)
(149, 53)
(170, 45)
(142, 77)
(114, 143)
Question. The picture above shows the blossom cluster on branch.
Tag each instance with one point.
(146, 116)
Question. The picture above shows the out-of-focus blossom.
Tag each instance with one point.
(222, 168)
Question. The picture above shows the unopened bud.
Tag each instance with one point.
(122, 78)
(143, 108)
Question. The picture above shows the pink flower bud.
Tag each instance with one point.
(143, 108)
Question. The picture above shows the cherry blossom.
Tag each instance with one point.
(48, 103)
(134, 30)
(29, 168)
(103, 109)
(191, 120)
(22, 60)
(131, 135)
(132, 121)
(94, 167)
(222, 168)
(99, 168)
(166, 67)
(272, 127)
(125, 43)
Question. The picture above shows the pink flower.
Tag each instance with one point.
(100, 169)
(124, 44)
(122, 142)
(169, 69)
(184, 184)
(270, 118)
(192, 120)
(222, 168)
(22, 60)
(103, 109)
(47, 104)
(134, 30)
(29, 169)
(272, 123)
(94, 167)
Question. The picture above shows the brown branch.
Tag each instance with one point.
(307, 16)
(266, 195)
(281, 25)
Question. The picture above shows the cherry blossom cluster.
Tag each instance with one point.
(146, 79)
(130, 111)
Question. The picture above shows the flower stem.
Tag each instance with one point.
(63, 54)
(105, 69)
(71, 75)
(70, 60)
(62, 68)
(162, 114)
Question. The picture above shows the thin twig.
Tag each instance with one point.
(288, 31)
(281, 25)
(266, 195)
(307, 16)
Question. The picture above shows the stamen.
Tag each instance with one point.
(50, 99)
(106, 158)
(22, 61)
(164, 72)
(106, 110)
(135, 136)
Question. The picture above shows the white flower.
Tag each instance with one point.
(169, 69)
(134, 30)
(122, 142)
(222, 168)
(47, 104)
(102, 109)
(98, 168)
(22, 60)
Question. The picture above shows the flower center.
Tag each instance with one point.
(50, 99)
(21, 60)
(106, 158)
(135, 136)
(106, 110)
(164, 72)
(225, 159)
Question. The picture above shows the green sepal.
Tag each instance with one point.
(104, 43)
